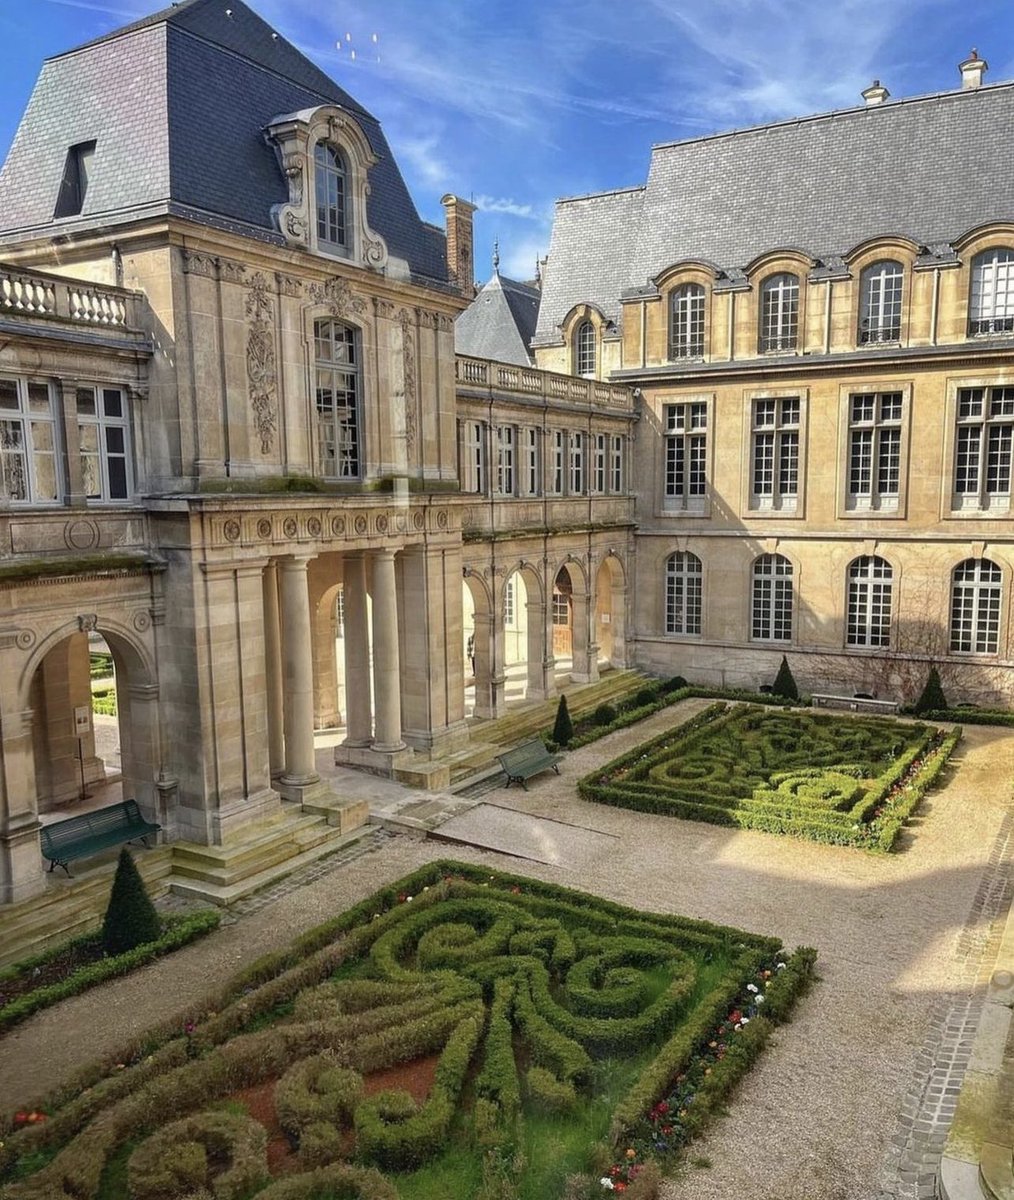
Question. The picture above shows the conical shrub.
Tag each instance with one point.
(130, 919)
(785, 684)
(932, 698)
(563, 729)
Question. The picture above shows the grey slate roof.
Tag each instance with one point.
(177, 104)
(500, 322)
(929, 168)
(589, 256)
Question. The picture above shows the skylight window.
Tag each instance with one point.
(76, 175)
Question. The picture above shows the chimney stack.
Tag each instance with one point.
(875, 94)
(460, 262)
(972, 71)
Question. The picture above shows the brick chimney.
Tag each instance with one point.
(875, 94)
(460, 260)
(972, 71)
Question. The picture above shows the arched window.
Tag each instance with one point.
(686, 321)
(771, 608)
(991, 300)
(976, 587)
(336, 367)
(683, 593)
(880, 287)
(779, 316)
(330, 182)
(870, 587)
(584, 349)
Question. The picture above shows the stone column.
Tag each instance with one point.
(490, 701)
(21, 867)
(273, 672)
(358, 698)
(584, 650)
(297, 668)
(538, 686)
(386, 663)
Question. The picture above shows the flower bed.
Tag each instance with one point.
(551, 1015)
(27, 987)
(849, 780)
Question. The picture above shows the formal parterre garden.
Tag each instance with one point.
(458, 1034)
(849, 780)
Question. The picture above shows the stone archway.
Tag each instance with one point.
(610, 612)
(482, 646)
(571, 597)
(525, 630)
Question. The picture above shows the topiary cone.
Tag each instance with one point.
(131, 919)
(785, 684)
(932, 698)
(563, 730)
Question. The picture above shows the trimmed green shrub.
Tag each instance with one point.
(932, 698)
(339, 1182)
(216, 1150)
(131, 919)
(548, 1092)
(314, 1090)
(563, 729)
(605, 714)
(676, 684)
(785, 684)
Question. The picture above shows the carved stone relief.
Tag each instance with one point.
(261, 368)
(409, 372)
(338, 296)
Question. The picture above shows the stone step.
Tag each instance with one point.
(70, 907)
(224, 894)
(226, 866)
(996, 1172)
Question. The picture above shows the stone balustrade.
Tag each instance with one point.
(510, 379)
(35, 294)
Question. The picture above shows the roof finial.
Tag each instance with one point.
(538, 271)
(496, 256)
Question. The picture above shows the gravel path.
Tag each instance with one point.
(828, 1114)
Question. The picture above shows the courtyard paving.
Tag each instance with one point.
(853, 1098)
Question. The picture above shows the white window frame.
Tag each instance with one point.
(558, 462)
(597, 483)
(779, 314)
(991, 293)
(474, 452)
(776, 436)
(976, 607)
(685, 481)
(585, 349)
(771, 599)
(684, 594)
(505, 460)
(983, 471)
(616, 464)
(875, 467)
(869, 603)
(29, 422)
(530, 461)
(686, 322)
(509, 607)
(106, 428)
(577, 463)
(881, 294)
(342, 433)
(327, 176)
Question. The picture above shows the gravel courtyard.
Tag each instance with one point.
(849, 1102)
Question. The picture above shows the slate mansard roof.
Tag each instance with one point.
(500, 322)
(177, 104)
(928, 169)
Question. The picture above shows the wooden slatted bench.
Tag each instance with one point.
(90, 832)
(526, 760)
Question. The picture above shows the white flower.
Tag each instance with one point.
(746, 1020)
(752, 987)
(408, 899)
(779, 966)
(607, 1183)
(759, 999)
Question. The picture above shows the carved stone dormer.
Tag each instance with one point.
(295, 137)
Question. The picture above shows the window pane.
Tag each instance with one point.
(38, 398)
(112, 402)
(85, 402)
(9, 400)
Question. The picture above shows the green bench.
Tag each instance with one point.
(81, 836)
(526, 760)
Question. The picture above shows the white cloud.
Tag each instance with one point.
(500, 204)
(518, 255)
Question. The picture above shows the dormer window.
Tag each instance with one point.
(330, 177)
(74, 184)
(779, 317)
(880, 289)
(584, 350)
(991, 308)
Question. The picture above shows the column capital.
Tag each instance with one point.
(294, 562)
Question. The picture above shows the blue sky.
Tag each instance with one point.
(518, 102)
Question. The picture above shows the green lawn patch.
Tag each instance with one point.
(849, 780)
(459, 1033)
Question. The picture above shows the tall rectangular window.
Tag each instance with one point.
(982, 448)
(77, 171)
(505, 460)
(576, 463)
(874, 468)
(337, 393)
(530, 462)
(686, 446)
(104, 434)
(616, 464)
(29, 446)
(475, 457)
(558, 444)
(598, 482)
(775, 453)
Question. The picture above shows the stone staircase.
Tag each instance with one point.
(261, 853)
(489, 738)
